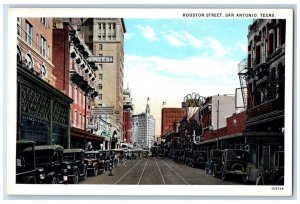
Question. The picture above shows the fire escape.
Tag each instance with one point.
(243, 72)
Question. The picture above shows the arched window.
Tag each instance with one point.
(43, 71)
(29, 61)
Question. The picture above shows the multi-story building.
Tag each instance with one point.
(169, 116)
(105, 37)
(262, 76)
(145, 128)
(42, 110)
(77, 78)
(214, 112)
(127, 111)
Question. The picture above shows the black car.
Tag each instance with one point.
(234, 162)
(75, 165)
(274, 174)
(95, 163)
(198, 159)
(213, 165)
(106, 156)
(25, 163)
(49, 163)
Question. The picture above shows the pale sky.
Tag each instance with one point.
(167, 59)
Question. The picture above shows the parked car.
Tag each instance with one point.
(198, 159)
(94, 162)
(25, 163)
(273, 174)
(214, 163)
(49, 163)
(234, 162)
(106, 156)
(75, 165)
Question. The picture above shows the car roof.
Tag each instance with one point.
(73, 150)
(46, 147)
(25, 141)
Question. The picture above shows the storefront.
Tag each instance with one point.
(43, 113)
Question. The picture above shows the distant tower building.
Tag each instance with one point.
(168, 117)
(127, 110)
(145, 130)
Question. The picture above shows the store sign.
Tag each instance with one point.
(100, 59)
(193, 100)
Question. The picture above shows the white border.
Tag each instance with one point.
(193, 190)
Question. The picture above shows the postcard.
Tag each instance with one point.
(120, 101)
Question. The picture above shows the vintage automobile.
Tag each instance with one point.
(49, 163)
(273, 174)
(234, 162)
(158, 151)
(179, 155)
(75, 165)
(214, 163)
(198, 159)
(25, 163)
(94, 162)
(106, 156)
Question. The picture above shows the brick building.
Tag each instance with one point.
(127, 112)
(169, 117)
(42, 111)
(76, 79)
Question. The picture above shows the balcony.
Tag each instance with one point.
(265, 109)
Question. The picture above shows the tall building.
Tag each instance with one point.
(169, 116)
(262, 75)
(43, 108)
(105, 38)
(144, 128)
(127, 111)
(77, 78)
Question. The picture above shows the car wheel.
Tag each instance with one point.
(54, 180)
(96, 171)
(259, 181)
(224, 176)
(75, 177)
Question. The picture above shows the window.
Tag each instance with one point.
(100, 76)
(29, 31)
(19, 29)
(79, 97)
(43, 46)
(100, 86)
(80, 122)
(100, 96)
(100, 46)
(90, 28)
(75, 95)
(100, 66)
(90, 38)
(75, 118)
(45, 22)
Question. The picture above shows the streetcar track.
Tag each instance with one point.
(175, 172)
(143, 171)
(160, 172)
(128, 172)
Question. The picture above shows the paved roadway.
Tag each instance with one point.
(155, 171)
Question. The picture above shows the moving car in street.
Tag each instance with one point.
(94, 162)
(75, 165)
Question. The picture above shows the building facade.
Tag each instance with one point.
(169, 116)
(76, 79)
(43, 112)
(127, 112)
(105, 38)
(144, 128)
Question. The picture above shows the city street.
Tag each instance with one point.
(156, 171)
